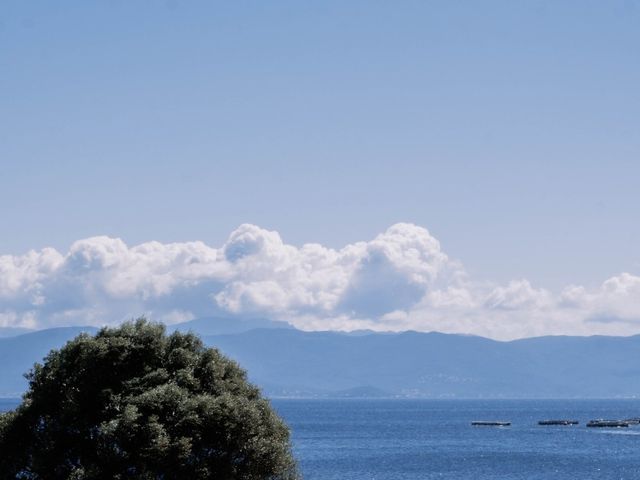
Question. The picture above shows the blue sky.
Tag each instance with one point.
(508, 129)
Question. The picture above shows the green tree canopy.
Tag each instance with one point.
(135, 403)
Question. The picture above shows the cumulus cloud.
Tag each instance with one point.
(518, 295)
(399, 280)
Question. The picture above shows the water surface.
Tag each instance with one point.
(433, 439)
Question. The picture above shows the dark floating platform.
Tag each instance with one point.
(482, 423)
(608, 423)
(558, 422)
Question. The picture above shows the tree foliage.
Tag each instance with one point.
(134, 403)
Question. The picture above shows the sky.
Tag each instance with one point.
(505, 132)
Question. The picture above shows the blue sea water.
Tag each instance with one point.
(433, 439)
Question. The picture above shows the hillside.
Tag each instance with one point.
(289, 362)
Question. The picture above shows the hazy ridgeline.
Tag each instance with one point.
(289, 362)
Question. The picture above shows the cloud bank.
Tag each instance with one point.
(400, 280)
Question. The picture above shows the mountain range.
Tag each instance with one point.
(286, 362)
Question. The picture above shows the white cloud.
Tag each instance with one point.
(518, 295)
(399, 280)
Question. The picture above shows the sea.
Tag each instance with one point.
(398, 439)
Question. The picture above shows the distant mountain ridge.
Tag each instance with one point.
(21, 348)
(292, 363)
(436, 365)
(226, 326)
(14, 331)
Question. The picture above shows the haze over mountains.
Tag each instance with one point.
(292, 363)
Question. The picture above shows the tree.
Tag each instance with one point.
(135, 403)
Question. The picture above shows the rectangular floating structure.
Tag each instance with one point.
(608, 423)
(483, 423)
(558, 422)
